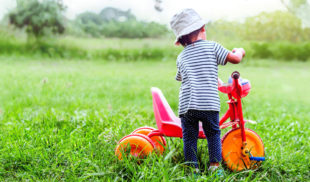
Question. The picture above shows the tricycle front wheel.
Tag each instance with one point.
(232, 149)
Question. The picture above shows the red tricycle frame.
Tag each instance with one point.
(242, 148)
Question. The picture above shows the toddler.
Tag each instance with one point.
(198, 97)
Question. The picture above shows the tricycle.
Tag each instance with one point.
(242, 148)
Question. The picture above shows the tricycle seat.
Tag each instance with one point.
(168, 124)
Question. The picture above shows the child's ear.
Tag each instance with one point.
(203, 29)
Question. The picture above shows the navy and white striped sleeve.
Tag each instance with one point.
(220, 53)
(178, 76)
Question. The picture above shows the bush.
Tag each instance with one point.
(281, 50)
(53, 49)
(261, 50)
(273, 26)
(133, 29)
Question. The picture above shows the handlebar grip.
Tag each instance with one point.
(235, 75)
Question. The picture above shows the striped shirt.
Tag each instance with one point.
(197, 68)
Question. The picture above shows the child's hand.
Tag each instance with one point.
(236, 55)
(239, 49)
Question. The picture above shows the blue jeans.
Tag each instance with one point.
(190, 127)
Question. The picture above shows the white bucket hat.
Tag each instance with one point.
(185, 22)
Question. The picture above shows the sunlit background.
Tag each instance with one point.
(75, 77)
(253, 23)
(145, 10)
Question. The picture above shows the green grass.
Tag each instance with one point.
(61, 120)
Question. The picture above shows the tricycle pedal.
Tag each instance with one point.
(257, 158)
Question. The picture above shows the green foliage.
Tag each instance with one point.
(281, 50)
(300, 8)
(133, 29)
(277, 35)
(89, 17)
(274, 26)
(112, 14)
(61, 120)
(38, 17)
(136, 50)
(222, 30)
(297, 3)
(52, 49)
(111, 22)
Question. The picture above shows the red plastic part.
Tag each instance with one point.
(152, 132)
(229, 88)
(155, 132)
(168, 124)
(144, 127)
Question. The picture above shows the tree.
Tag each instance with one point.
(113, 22)
(89, 23)
(39, 17)
(274, 26)
(300, 8)
(112, 14)
(89, 17)
(271, 26)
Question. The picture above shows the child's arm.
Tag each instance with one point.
(235, 56)
(178, 76)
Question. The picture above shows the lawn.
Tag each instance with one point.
(61, 119)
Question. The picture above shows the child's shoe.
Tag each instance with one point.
(197, 173)
(218, 172)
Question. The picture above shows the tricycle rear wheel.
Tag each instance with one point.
(139, 146)
(159, 141)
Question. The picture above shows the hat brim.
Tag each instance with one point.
(189, 29)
